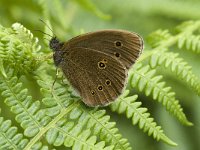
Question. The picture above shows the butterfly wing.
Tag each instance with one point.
(123, 45)
(98, 77)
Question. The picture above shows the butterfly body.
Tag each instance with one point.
(96, 63)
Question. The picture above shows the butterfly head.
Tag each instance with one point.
(55, 44)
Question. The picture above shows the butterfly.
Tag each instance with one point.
(96, 64)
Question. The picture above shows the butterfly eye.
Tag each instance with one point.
(101, 65)
(108, 82)
(100, 88)
(118, 43)
(117, 54)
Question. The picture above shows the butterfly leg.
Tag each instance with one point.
(52, 87)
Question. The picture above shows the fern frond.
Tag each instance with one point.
(9, 136)
(63, 131)
(126, 104)
(189, 42)
(94, 122)
(18, 48)
(28, 112)
(185, 27)
(156, 38)
(178, 66)
(144, 78)
(106, 130)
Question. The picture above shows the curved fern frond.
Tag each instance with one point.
(18, 48)
(9, 136)
(156, 38)
(126, 104)
(106, 130)
(190, 42)
(63, 131)
(28, 112)
(144, 78)
(178, 66)
(186, 26)
(90, 121)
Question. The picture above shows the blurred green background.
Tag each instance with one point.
(71, 17)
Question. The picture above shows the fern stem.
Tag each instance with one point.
(149, 124)
(50, 125)
(7, 83)
(169, 42)
(114, 138)
(177, 110)
(9, 141)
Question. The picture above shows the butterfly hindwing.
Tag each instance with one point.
(98, 77)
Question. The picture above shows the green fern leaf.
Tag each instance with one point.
(28, 113)
(18, 48)
(190, 42)
(9, 136)
(144, 78)
(126, 104)
(96, 121)
(178, 66)
(156, 38)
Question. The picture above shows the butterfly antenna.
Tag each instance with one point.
(43, 32)
(47, 26)
(46, 39)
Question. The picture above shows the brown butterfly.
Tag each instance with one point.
(96, 64)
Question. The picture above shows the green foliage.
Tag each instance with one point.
(178, 66)
(10, 138)
(18, 48)
(126, 104)
(144, 78)
(46, 118)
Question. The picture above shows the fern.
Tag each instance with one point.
(178, 66)
(19, 48)
(9, 137)
(156, 38)
(159, 56)
(144, 78)
(27, 112)
(190, 42)
(126, 104)
(88, 119)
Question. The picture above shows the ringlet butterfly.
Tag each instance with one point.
(96, 64)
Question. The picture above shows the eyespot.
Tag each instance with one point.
(118, 43)
(101, 65)
(108, 82)
(92, 92)
(117, 54)
(100, 88)
(105, 60)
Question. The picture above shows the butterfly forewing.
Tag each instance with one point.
(98, 77)
(123, 45)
